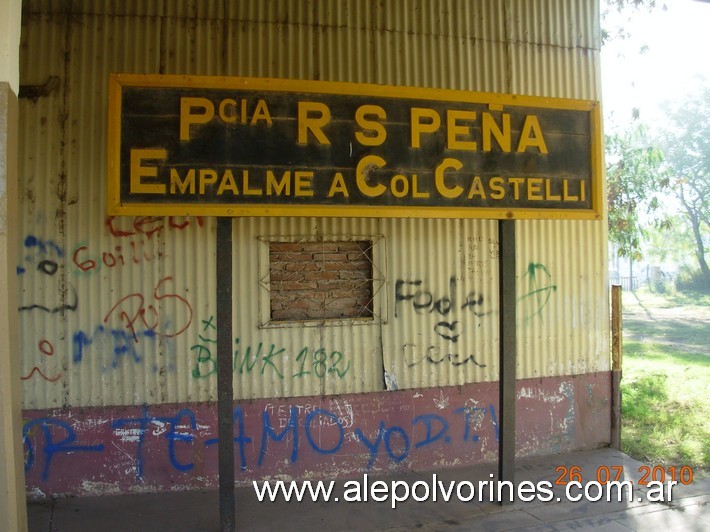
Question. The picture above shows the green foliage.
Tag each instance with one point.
(662, 286)
(671, 243)
(691, 280)
(635, 184)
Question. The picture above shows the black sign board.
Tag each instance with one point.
(265, 147)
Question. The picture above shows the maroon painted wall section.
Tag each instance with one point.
(108, 450)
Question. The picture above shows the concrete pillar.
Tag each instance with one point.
(13, 509)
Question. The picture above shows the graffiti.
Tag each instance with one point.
(442, 401)
(540, 288)
(132, 254)
(343, 410)
(44, 288)
(241, 439)
(123, 344)
(245, 359)
(121, 448)
(322, 363)
(37, 371)
(268, 432)
(424, 300)
(148, 225)
(51, 427)
(447, 310)
(205, 364)
(137, 250)
(474, 417)
(478, 249)
(133, 310)
(413, 356)
(145, 437)
(135, 429)
(396, 441)
(50, 291)
(46, 348)
(246, 363)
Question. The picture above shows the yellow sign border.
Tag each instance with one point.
(116, 208)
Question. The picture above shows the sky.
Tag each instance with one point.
(678, 51)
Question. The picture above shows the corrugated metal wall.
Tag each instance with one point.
(122, 311)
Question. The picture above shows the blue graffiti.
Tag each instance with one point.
(50, 427)
(269, 432)
(341, 431)
(394, 442)
(43, 245)
(124, 344)
(43, 258)
(427, 420)
(388, 443)
(241, 439)
(372, 447)
(171, 434)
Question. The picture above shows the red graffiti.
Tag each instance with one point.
(133, 310)
(132, 252)
(46, 348)
(149, 225)
(41, 374)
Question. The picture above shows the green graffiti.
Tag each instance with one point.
(315, 362)
(540, 288)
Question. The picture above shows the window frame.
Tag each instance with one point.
(378, 280)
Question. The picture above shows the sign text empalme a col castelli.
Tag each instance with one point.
(236, 146)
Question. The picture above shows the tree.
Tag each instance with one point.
(674, 244)
(635, 184)
(634, 178)
(686, 141)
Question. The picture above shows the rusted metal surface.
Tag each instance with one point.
(120, 312)
(86, 353)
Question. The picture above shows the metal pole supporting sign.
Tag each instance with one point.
(225, 394)
(507, 335)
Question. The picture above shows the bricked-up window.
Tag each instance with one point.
(321, 280)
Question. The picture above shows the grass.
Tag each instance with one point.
(666, 382)
(674, 299)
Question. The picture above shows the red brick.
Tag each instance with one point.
(320, 280)
(297, 266)
(294, 285)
